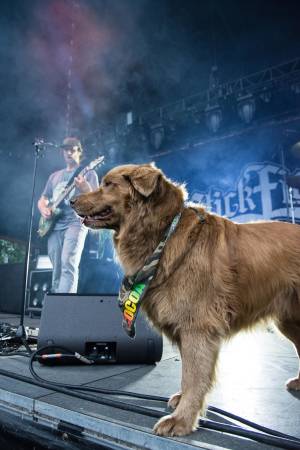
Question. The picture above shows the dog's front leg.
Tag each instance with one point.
(199, 354)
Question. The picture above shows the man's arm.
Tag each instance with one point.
(88, 183)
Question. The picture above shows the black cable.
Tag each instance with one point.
(9, 339)
(259, 437)
(288, 444)
(69, 353)
(251, 424)
(65, 388)
(100, 400)
(26, 345)
(7, 349)
(142, 396)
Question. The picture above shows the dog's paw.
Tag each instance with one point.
(174, 400)
(293, 384)
(172, 426)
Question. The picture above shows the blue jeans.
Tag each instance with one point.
(64, 250)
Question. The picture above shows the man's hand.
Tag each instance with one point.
(82, 184)
(46, 212)
(44, 208)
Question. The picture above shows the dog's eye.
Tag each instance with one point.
(108, 183)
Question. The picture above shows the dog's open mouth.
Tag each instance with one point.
(94, 219)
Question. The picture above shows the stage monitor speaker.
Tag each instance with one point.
(39, 283)
(92, 326)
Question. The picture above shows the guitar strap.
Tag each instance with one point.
(77, 171)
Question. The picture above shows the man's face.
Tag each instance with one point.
(72, 155)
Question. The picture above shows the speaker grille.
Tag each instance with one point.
(39, 284)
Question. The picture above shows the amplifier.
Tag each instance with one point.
(39, 284)
(92, 326)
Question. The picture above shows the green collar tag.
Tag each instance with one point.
(130, 307)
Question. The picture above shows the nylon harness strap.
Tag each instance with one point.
(134, 288)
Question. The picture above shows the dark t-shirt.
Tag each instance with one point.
(55, 185)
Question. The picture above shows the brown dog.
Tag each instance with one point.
(214, 277)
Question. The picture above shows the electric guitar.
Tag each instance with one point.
(46, 225)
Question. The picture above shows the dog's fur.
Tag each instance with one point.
(214, 278)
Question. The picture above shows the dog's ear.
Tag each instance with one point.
(145, 178)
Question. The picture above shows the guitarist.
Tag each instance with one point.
(67, 237)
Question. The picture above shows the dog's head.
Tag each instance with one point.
(125, 191)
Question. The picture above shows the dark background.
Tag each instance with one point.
(127, 55)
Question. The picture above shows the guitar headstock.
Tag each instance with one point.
(96, 162)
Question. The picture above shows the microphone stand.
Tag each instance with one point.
(21, 334)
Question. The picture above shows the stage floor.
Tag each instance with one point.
(252, 372)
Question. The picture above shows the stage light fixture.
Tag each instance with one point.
(266, 96)
(111, 147)
(129, 118)
(213, 116)
(246, 107)
(295, 149)
(157, 135)
(295, 87)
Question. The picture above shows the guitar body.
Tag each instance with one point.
(46, 225)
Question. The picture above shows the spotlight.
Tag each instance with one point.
(129, 118)
(213, 116)
(296, 149)
(157, 135)
(266, 96)
(35, 287)
(296, 88)
(35, 301)
(111, 146)
(246, 107)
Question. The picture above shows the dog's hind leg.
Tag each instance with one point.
(291, 329)
(199, 354)
(289, 325)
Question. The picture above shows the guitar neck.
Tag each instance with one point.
(67, 190)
